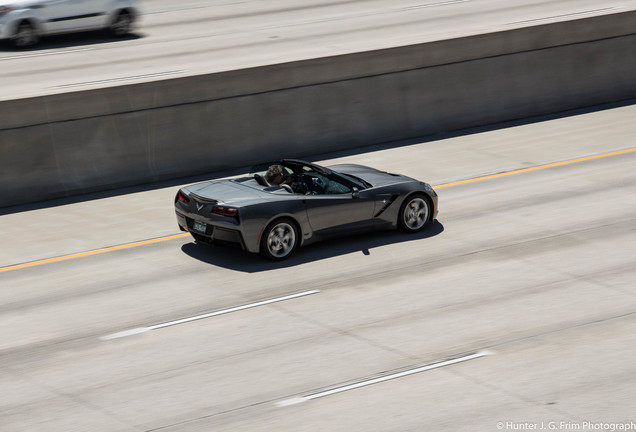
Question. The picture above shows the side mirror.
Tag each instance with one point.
(355, 193)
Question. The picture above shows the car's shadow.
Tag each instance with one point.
(69, 40)
(234, 258)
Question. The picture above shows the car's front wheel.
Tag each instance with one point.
(279, 240)
(414, 213)
(25, 35)
(122, 24)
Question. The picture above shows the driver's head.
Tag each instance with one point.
(274, 175)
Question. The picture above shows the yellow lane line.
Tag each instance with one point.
(93, 252)
(170, 237)
(538, 167)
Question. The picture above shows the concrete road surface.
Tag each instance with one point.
(516, 310)
(192, 37)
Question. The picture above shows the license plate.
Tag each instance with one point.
(199, 226)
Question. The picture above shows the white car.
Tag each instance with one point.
(23, 22)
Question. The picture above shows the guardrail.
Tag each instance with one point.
(79, 142)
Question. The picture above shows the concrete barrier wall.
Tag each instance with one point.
(79, 142)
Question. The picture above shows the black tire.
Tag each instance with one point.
(25, 35)
(279, 240)
(121, 25)
(415, 213)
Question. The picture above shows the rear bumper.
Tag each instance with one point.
(213, 232)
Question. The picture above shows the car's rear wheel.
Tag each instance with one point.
(122, 24)
(25, 35)
(279, 240)
(414, 213)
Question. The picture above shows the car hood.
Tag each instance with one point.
(371, 175)
(224, 191)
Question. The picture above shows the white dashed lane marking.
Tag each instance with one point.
(138, 330)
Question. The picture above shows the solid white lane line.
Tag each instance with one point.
(383, 378)
(128, 78)
(563, 16)
(45, 54)
(138, 330)
(427, 5)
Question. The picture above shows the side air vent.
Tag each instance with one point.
(387, 204)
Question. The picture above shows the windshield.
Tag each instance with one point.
(361, 184)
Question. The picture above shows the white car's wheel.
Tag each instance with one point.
(25, 35)
(121, 25)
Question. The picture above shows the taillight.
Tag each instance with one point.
(183, 198)
(225, 211)
(6, 9)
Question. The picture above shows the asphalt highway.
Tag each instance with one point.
(191, 37)
(515, 310)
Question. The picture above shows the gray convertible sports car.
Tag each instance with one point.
(314, 202)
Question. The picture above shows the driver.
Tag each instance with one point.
(274, 175)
